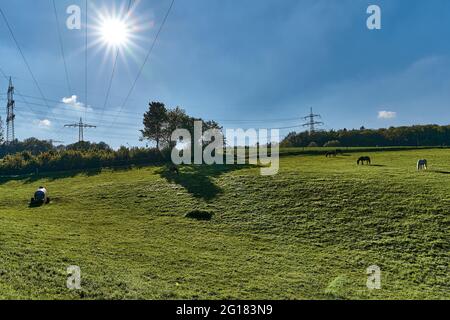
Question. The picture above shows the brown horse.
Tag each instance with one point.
(331, 154)
(361, 160)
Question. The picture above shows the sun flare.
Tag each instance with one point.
(117, 32)
(114, 32)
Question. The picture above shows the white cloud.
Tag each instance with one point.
(45, 123)
(75, 104)
(69, 100)
(387, 115)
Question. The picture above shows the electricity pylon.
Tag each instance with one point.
(312, 123)
(10, 116)
(80, 127)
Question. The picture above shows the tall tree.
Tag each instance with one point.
(2, 138)
(155, 120)
(176, 119)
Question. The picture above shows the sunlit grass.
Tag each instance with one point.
(309, 232)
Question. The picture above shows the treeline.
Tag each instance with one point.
(36, 146)
(67, 160)
(33, 156)
(419, 135)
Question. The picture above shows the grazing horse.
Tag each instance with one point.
(363, 159)
(422, 165)
(331, 154)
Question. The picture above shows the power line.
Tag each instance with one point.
(135, 126)
(131, 125)
(145, 61)
(142, 112)
(113, 72)
(21, 53)
(219, 120)
(86, 57)
(138, 115)
(68, 108)
(121, 135)
(54, 85)
(62, 48)
(126, 125)
(292, 127)
(78, 111)
(60, 102)
(258, 120)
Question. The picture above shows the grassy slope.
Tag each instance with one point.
(289, 236)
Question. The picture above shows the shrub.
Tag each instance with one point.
(66, 160)
(332, 143)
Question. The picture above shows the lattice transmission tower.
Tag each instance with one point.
(312, 123)
(10, 116)
(81, 126)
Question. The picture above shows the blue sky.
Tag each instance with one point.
(238, 62)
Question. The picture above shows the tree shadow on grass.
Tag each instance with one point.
(50, 176)
(198, 179)
(441, 171)
(56, 175)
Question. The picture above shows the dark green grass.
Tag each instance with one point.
(309, 232)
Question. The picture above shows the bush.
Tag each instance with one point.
(66, 160)
(332, 143)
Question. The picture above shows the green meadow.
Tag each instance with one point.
(226, 232)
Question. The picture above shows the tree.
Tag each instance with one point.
(332, 143)
(1, 131)
(176, 119)
(89, 146)
(33, 145)
(155, 120)
(161, 122)
(424, 135)
(36, 146)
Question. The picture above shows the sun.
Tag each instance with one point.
(117, 32)
(114, 32)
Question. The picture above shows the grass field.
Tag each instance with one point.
(309, 232)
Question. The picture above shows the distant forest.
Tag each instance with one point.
(419, 135)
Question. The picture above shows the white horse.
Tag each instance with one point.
(422, 164)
